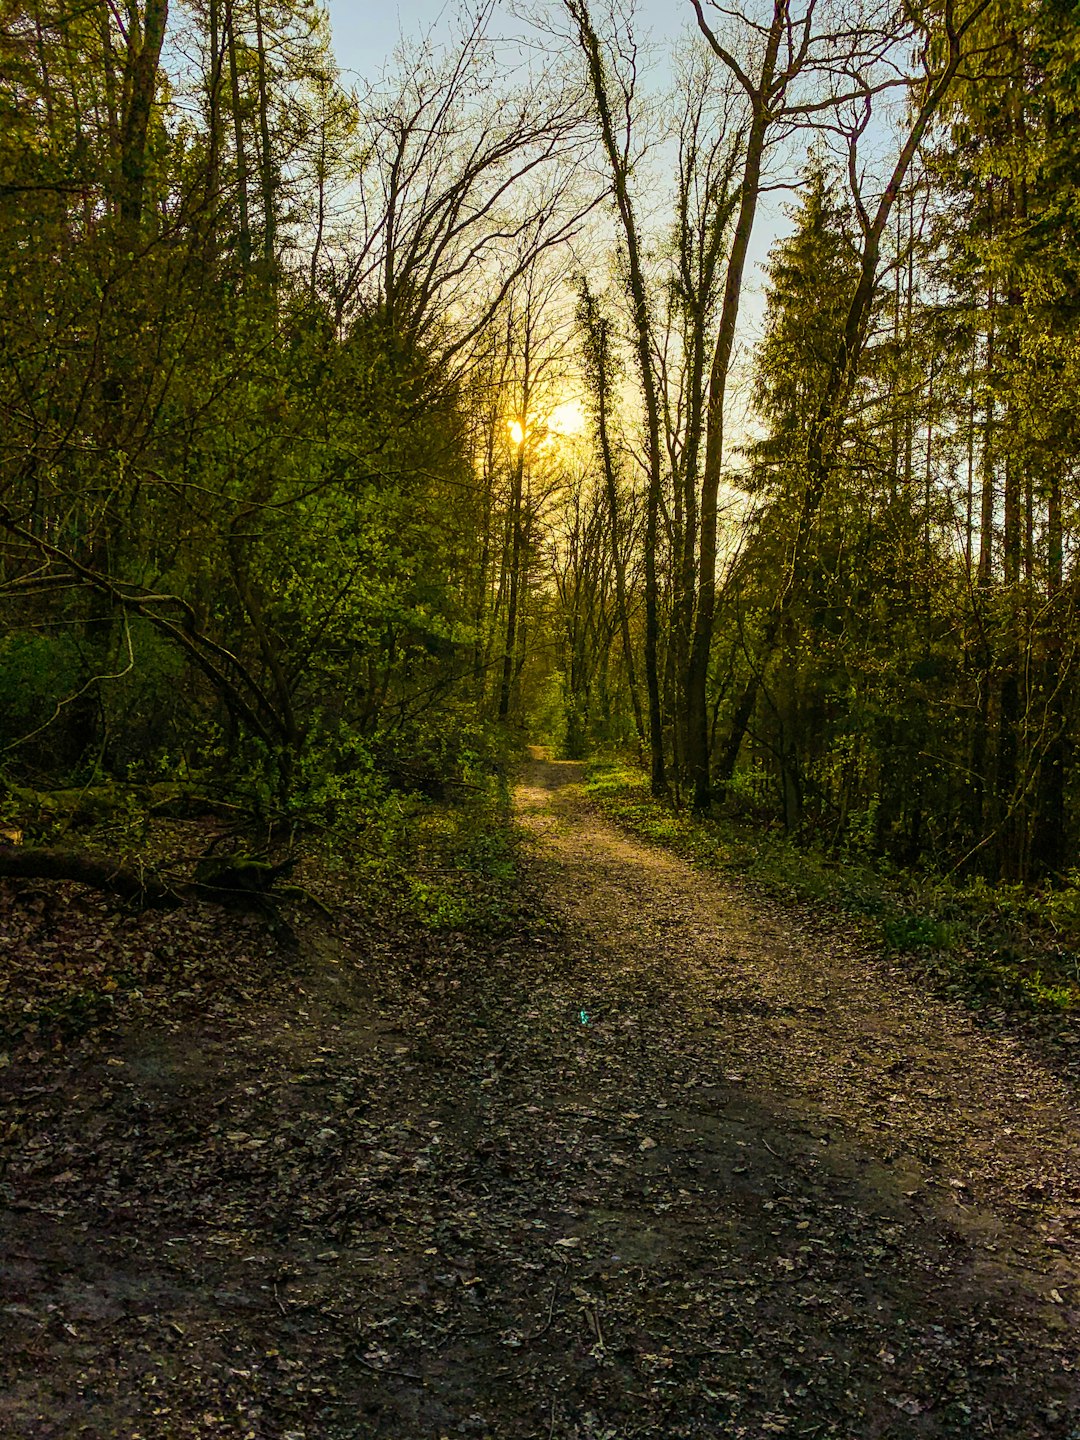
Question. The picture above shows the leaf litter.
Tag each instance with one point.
(393, 1185)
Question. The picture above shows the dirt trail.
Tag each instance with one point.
(894, 1195)
(664, 1162)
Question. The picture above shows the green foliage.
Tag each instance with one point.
(547, 715)
(36, 672)
(239, 516)
(918, 932)
(842, 723)
(462, 864)
(752, 790)
(810, 277)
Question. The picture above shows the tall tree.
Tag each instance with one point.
(945, 47)
(601, 377)
(614, 115)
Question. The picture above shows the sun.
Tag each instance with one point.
(517, 431)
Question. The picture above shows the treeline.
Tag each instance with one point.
(855, 604)
(340, 429)
(257, 494)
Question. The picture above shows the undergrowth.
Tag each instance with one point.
(1004, 945)
(460, 863)
(74, 958)
(426, 838)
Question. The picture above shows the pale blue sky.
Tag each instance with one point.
(365, 34)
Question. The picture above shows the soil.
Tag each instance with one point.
(663, 1160)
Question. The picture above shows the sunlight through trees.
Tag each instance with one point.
(346, 428)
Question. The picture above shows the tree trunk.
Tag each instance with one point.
(266, 154)
(597, 327)
(141, 86)
(697, 677)
(244, 223)
(643, 348)
(510, 646)
(1048, 843)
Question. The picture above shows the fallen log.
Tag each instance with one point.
(142, 888)
(90, 804)
(239, 881)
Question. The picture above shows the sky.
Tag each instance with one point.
(365, 36)
(365, 33)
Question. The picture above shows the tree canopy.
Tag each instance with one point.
(285, 498)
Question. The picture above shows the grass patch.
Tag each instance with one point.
(1002, 945)
(460, 868)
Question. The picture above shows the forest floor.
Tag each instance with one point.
(661, 1158)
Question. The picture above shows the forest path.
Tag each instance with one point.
(870, 1207)
(655, 1161)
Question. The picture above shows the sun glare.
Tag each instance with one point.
(566, 419)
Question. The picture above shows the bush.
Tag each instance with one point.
(37, 672)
